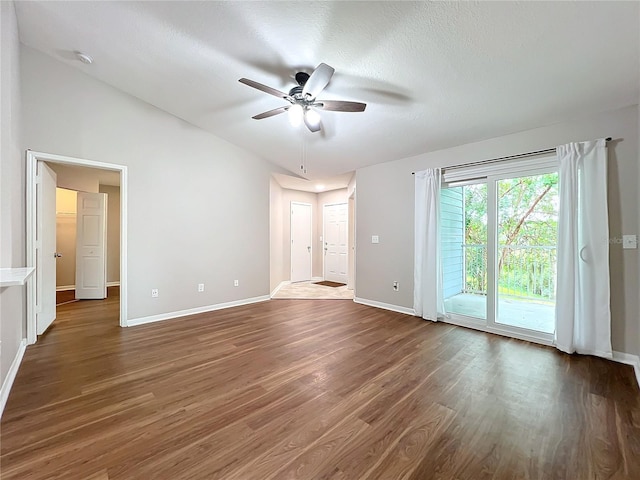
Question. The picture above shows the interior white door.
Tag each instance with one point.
(91, 246)
(301, 255)
(45, 247)
(336, 249)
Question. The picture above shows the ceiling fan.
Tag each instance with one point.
(303, 99)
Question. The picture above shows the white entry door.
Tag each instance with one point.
(45, 247)
(335, 242)
(91, 246)
(300, 242)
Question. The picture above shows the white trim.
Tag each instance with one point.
(193, 311)
(479, 325)
(11, 375)
(316, 279)
(64, 288)
(280, 285)
(32, 159)
(628, 359)
(385, 306)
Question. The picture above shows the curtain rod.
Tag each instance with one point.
(508, 157)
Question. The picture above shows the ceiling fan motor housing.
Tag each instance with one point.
(301, 78)
(296, 92)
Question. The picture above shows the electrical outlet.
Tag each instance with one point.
(629, 241)
(375, 239)
(201, 287)
(154, 293)
(396, 286)
(236, 283)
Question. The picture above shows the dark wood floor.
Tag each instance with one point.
(311, 389)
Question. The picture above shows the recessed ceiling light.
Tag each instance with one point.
(319, 187)
(84, 58)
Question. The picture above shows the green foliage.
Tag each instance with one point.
(527, 222)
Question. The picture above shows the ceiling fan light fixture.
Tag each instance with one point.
(303, 99)
(295, 115)
(313, 118)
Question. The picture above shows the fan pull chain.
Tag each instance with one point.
(303, 166)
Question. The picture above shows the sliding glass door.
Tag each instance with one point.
(527, 232)
(464, 249)
(499, 236)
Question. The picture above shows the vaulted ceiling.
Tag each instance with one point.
(433, 74)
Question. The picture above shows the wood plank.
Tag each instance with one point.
(310, 389)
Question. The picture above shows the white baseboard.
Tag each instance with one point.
(629, 359)
(386, 306)
(280, 285)
(65, 288)
(316, 279)
(11, 375)
(193, 311)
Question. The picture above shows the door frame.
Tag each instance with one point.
(291, 204)
(32, 159)
(351, 239)
(324, 216)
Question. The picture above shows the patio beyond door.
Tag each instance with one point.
(499, 236)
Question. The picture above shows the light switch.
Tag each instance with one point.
(629, 241)
(375, 239)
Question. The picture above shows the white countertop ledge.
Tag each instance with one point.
(14, 276)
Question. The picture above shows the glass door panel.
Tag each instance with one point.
(464, 249)
(527, 227)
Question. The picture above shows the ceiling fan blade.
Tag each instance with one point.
(340, 106)
(270, 113)
(264, 88)
(318, 80)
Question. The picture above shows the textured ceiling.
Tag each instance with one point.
(434, 75)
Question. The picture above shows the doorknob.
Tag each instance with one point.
(309, 249)
(57, 254)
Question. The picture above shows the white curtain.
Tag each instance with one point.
(428, 300)
(583, 316)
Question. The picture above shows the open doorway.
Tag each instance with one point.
(70, 226)
(53, 183)
(287, 279)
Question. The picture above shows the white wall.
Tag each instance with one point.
(332, 196)
(384, 207)
(198, 206)
(66, 227)
(12, 189)
(74, 178)
(276, 239)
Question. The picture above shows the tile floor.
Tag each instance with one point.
(309, 290)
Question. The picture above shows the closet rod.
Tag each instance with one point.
(509, 157)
